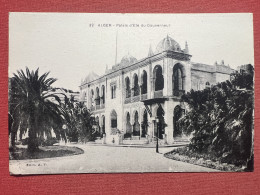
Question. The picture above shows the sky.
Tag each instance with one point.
(71, 45)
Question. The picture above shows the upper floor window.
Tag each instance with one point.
(97, 96)
(136, 85)
(144, 83)
(158, 78)
(177, 75)
(92, 97)
(103, 94)
(113, 91)
(127, 88)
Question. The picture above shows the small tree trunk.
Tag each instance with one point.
(14, 129)
(32, 141)
(13, 135)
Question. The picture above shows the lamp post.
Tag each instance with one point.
(64, 127)
(157, 141)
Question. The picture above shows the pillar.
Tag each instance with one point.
(168, 117)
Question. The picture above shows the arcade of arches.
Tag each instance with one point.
(140, 128)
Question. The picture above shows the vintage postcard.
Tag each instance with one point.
(110, 93)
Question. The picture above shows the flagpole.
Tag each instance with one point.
(116, 48)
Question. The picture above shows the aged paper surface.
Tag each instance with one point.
(130, 93)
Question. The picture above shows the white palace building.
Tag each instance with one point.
(137, 100)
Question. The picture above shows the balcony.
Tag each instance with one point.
(97, 107)
(92, 108)
(102, 106)
(178, 93)
(158, 94)
(144, 96)
(135, 98)
(113, 131)
(128, 100)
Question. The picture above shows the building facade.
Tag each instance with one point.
(140, 99)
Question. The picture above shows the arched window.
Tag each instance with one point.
(113, 91)
(207, 85)
(160, 125)
(127, 87)
(177, 78)
(144, 124)
(113, 117)
(128, 126)
(136, 86)
(97, 96)
(103, 125)
(158, 76)
(144, 83)
(103, 94)
(177, 114)
(84, 96)
(136, 127)
(92, 97)
(97, 124)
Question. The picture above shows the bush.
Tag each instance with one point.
(42, 142)
(221, 120)
(50, 141)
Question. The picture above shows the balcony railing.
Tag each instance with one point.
(97, 107)
(128, 100)
(92, 108)
(113, 131)
(178, 93)
(158, 94)
(144, 96)
(135, 98)
(102, 106)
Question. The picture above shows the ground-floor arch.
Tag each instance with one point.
(103, 126)
(160, 123)
(128, 127)
(177, 114)
(113, 117)
(144, 124)
(136, 126)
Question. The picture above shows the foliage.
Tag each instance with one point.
(31, 107)
(79, 121)
(41, 141)
(221, 119)
(44, 152)
(36, 107)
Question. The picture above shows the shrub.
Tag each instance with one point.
(221, 120)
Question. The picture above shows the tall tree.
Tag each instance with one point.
(33, 108)
(221, 119)
(79, 121)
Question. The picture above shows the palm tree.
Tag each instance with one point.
(78, 120)
(221, 119)
(32, 102)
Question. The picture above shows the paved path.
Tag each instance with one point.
(98, 159)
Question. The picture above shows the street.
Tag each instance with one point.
(100, 159)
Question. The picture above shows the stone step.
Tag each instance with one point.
(135, 142)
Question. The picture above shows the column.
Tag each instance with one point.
(168, 117)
